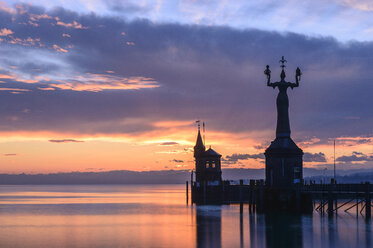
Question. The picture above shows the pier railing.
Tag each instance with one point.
(338, 188)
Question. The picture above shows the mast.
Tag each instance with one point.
(334, 164)
(204, 133)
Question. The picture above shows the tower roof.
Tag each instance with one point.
(211, 153)
(199, 143)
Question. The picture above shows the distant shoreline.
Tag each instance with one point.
(125, 177)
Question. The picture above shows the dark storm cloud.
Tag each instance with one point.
(209, 72)
(314, 157)
(355, 157)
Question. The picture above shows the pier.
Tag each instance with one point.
(283, 188)
(324, 198)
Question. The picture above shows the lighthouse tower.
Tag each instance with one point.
(208, 165)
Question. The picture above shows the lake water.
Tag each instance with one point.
(157, 216)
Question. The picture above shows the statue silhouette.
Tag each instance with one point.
(284, 162)
(282, 102)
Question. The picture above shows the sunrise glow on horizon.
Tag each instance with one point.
(94, 86)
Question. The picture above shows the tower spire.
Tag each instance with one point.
(199, 148)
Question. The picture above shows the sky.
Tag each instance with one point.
(118, 85)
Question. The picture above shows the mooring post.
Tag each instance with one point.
(357, 205)
(241, 201)
(254, 195)
(330, 200)
(250, 195)
(223, 192)
(187, 196)
(335, 198)
(367, 202)
(204, 192)
(191, 188)
(336, 204)
(260, 200)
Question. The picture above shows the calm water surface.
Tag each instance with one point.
(157, 216)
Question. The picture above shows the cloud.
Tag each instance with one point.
(14, 89)
(260, 147)
(126, 6)
(171, 143)
(65, 141)
(5, 32)
(364, 5)
(99, 82)
(177, 73)
(355, 157)
(234, 158)
(314, 157)
(74, 24)
(177, 161)
(354, 141)
(59, 49)
(10, 154)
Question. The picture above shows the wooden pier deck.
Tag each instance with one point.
(327, 198)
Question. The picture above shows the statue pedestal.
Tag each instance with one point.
(284, 164)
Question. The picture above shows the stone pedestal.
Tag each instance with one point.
(284, 164)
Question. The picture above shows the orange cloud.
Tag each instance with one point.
(5, 32)
(87, 82)
(59, 49)
(46, 88)
(5, 76)
(26, 42)
(71, 25)
(4, 7)
(13, 89)
(100, 82)
(34, 17)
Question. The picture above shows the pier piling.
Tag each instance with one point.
(187, 192)
(241, 198)
(367, 202)
(330, 200)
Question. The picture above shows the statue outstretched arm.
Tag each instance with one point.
(298, 73)
(267, 72)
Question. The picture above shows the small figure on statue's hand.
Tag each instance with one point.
(298, 73)
(267, 71)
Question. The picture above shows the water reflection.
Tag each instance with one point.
(283, 230)
(208, 226)
(156, 216)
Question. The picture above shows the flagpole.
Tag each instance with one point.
(204, 137)
(334, 164)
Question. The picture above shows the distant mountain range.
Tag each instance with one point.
(169, 177)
